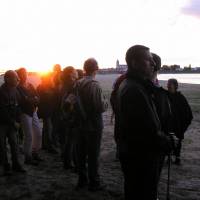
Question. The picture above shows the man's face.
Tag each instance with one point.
(145, 64)
(23, 77)
(171, 87)
(13, 80)
(74, 76)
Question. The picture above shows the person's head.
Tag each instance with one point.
(156, 66)
(157, 62)
(11, 78)
(22, 73)
(69, 76)
(57, 68)
(90, 67)
(140, 61)
(172, 85)
(56, 74)
(80, 73)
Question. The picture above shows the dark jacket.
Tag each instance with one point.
(46, 106)
(182, 114)
(9, 105)
(93, 102)
(138, 125)
(113, 95)
(27, 94)
(163, 108)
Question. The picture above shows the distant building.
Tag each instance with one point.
(196, 69)
(121, 68)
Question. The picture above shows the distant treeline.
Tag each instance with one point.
(164, 70)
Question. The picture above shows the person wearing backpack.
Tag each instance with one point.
(182, 115)
(89, 138)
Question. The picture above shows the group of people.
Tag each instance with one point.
(70, 104)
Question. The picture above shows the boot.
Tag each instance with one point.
(18, 168)
(52, 150)
(36, 157)
(30, 161)
(7, 170)
(177, 161)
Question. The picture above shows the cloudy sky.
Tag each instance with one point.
(39, 33)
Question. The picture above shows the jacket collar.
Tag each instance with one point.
(147, 84)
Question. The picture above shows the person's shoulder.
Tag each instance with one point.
(162, 90)
(131, 88)
(3, 88)
(132, 84)
(87, 81)
(180, 94)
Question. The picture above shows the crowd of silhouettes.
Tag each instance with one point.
(70, 104)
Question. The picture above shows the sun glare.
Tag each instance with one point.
(41, 70)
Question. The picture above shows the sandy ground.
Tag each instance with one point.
(49, 181)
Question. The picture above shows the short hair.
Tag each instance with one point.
(9, 74)
(80, 73)
(57, 68)
(90, 65)
(67, 72)
(21, 71)
(174, 82)
(135, 53)
(157, 60)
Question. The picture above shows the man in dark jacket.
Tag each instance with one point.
(139, 129)
(89, 138)
(9, 121)
(45, 111)
(182, 115)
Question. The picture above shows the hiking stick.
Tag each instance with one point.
(168, 177)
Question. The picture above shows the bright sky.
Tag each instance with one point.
(39, 33)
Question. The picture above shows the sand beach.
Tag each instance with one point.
(49, 181)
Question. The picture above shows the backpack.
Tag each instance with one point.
(72, 112)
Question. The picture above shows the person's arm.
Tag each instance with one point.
(35, 96)
(98, 98)
(186, 113)
(5, 116)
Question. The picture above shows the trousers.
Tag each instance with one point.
(32, 134)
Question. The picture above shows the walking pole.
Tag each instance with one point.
(168, 177)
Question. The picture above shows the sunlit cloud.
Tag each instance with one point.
(192, 8)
